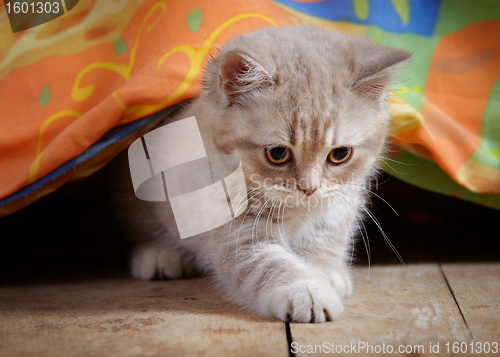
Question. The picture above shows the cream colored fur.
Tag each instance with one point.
(307, 89)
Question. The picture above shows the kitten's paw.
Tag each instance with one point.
(313, 300)
(149, 262)
(341, 281)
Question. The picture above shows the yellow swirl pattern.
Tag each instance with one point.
(196, 57)
(403, 9)
(33, 174)
(80, 94)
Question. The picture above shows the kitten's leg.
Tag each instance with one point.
(150, 261)
(328, 253)
(272, 280)
(338, 274)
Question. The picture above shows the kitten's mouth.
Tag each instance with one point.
(286, 200)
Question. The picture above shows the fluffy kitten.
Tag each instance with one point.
(305, 110)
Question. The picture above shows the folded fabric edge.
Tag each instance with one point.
(85, 164)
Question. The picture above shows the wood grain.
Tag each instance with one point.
(476, 287)
(400, 305)
(124, 317)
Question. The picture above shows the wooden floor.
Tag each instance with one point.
(417, 304)
(55, 300)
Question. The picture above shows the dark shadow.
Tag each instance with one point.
(73, 231)
(70, 232)
(429, 227)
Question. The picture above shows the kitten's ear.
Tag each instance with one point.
(241, 76)
(375, 68)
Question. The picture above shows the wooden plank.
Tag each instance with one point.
(400, 306)
(476, 287)
(118, 317)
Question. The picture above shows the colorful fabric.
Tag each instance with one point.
(446, 109)
(66, 83)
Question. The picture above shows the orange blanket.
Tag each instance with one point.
(66, 83)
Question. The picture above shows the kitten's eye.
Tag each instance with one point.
(278, 155)
(340, 155)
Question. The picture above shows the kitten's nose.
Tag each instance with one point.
(308, 191)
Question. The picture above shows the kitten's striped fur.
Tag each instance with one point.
(310, 90)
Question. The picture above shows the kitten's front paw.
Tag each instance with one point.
(312, 300)
(149, 262)
(341, 281)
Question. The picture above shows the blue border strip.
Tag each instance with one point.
(111, 137)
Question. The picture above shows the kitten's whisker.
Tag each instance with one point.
(387, 203)
(278, 223)
(278, 205)
(238, 206)
(367, 244)
(271, 211)
(283, 222)
(400, 138)
(291, 123)
(241, 204)
(264, 140)
(283, 120)
(384, 158)
(290, 119)
(393, 169)
(377, 223)
(255, 227)
(238, 236)
(241, 225)
(381, 183)
(346, 225)
(280, 131)
(364, 237)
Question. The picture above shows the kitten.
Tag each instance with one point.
(305, 110)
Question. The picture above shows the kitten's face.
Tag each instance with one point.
(309, 149)
(304, 112)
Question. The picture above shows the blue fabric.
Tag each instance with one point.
(422, 14)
